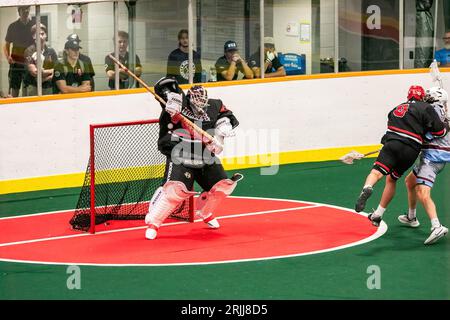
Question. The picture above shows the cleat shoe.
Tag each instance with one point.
(375, 220)
(436, 234)
(413, 223)
(361, 202)
(212, 222)
(151, 232)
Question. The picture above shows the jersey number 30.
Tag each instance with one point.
(401, 110)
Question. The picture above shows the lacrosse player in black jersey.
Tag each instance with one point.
(189, 158)
(408, 124)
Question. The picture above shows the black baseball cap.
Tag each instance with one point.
(230, 46)
(73, 36)
(72, 44)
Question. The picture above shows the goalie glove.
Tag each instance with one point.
(174, 103)
(224, 128)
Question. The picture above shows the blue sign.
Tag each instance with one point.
(293, 63)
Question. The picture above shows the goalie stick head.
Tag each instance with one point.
(198, 99)
(416, 92)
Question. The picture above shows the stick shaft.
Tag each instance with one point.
(371, 152)
(184, 120)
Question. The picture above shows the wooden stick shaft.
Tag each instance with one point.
(184, 120)
(371, 152)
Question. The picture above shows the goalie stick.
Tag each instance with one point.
(186, 122)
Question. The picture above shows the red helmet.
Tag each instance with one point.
(416, 92)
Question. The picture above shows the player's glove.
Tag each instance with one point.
(173, 104)
(224, 128)
(214, 146)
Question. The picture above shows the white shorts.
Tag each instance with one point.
(426, 171)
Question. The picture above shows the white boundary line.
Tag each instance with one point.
(380, 231)
(144, 227)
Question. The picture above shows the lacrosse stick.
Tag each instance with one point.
(355, 155)
(436, 74)
(206, 138)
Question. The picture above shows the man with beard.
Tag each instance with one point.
(443, 56)
(178, 61)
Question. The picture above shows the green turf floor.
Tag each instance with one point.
(409, 270)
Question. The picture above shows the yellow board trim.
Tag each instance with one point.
(233, 163)
(222, 84)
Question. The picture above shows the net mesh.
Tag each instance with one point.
(128, 170)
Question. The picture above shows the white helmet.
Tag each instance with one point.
(436, 94)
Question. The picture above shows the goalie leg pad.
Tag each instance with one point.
(210, 200)
(165, 200)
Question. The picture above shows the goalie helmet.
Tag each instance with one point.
(198, 99)
(416, 92)
(166, 85)
(436, 94)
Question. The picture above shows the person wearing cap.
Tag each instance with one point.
(70, 74)
(272, 65)
(230, 64)
(178, 60)
(86, 60)
(48, 59)
(124, 58)
(443, 56)
(18, 38)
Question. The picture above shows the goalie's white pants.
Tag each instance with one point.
(209, 200)
(164, 201)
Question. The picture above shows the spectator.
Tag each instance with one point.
(49, 59)
(272, 64)
(4, 95)
(124, 80)
(70, 74)
(443, 56)
(178, 60)
(19, 36)
(86, 60)
(230, 64)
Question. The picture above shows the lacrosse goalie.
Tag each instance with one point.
(189, 158)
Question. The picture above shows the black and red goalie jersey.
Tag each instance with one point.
(207, 118)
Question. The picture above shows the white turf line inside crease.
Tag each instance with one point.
(143, 227)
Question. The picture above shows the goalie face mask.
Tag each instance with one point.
(198, 99)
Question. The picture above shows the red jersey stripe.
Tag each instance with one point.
(406, 132)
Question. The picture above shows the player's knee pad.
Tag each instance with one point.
(165, 200)
(210, 200)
